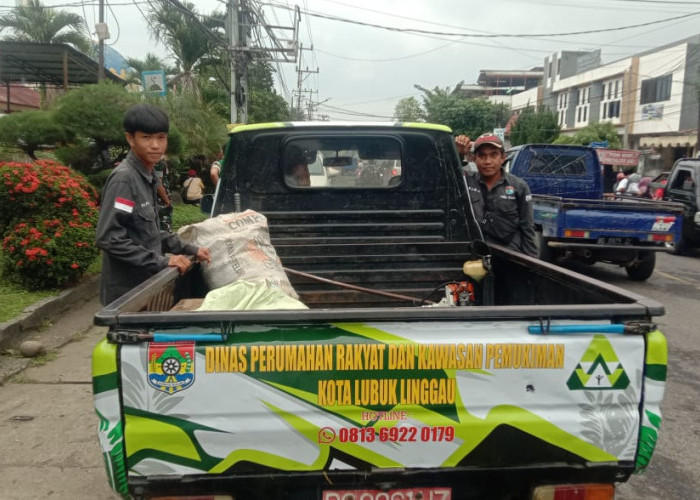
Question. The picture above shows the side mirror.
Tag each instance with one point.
(206, 203)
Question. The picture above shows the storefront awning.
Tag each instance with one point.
(668, 141)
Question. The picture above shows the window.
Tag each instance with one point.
(683, 181)
(335, 162)
(616, 85)
(613, 109)
(656, 89)
(556, 163)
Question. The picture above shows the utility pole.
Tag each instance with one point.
(238, 35)
(101, 44)
(301, 77)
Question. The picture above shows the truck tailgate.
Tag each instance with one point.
(640, 221)
(351, 398)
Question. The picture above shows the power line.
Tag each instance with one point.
(487, 35)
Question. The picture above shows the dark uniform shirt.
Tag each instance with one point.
(128, 230)
(504, 213)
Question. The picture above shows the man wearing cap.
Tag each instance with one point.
(502, 202)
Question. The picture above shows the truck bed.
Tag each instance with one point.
(337, 246)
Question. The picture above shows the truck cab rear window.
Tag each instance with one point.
(342, 162)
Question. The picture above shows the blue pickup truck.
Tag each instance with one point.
(574, 221)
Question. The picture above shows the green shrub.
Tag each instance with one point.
(47, 216)
(184, 215)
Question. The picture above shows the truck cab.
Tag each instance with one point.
(683, 187)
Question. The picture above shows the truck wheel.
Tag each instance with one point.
(643, 268)
(544, 251)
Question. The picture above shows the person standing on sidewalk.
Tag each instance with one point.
(502, 202)
(128, 229)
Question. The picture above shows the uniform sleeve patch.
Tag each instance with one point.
(528, 197)
(124, 205)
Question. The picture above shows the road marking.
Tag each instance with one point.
(675, 278)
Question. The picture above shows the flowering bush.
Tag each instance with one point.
(48, 215)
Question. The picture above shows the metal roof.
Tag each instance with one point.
(52, 63)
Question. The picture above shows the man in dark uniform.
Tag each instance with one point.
(128, 229)
(502, 202)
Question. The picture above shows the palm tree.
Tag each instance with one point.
(32, 21)
(149, 63)
(190, 41)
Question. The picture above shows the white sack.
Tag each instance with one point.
(240, 250)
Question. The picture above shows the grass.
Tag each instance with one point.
(15, 299)
(186, 214)
(42, 359)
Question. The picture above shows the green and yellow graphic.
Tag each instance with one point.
(599, 368)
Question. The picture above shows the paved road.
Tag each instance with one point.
(47, 425)
(675, 468)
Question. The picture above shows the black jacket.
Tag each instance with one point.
(504, 213)
(128, 230)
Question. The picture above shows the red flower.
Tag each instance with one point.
(74, 266)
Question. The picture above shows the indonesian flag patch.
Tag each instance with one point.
(124, 205)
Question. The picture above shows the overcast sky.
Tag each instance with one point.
(367, 69)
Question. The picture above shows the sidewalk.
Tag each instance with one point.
(69, 312)
(48, 428)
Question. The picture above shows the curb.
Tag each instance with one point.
(12, 332)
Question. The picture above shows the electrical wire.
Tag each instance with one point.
(117, 23)
(490, 35)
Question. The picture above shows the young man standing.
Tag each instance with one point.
(502, 202)
(128, 229)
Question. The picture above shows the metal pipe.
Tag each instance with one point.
(357, 288)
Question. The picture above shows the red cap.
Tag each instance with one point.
(488, 139)
(191, 173)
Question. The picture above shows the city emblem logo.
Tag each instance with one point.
(510, 190)
(171, 366)
(599, 368)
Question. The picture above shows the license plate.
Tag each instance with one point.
(615, 241)
(402, 494)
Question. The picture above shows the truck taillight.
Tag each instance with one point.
(589, 491)
(575, 233)
(666, 238)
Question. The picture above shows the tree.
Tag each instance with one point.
(595, 132)
(29, 131)
(93, 115)
(264, 103)
(408, 110)
(190, 40)
(31, 21)
(534, 127)
(203, 130)
(463, 115)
